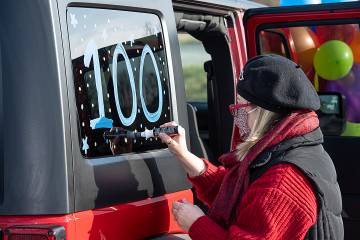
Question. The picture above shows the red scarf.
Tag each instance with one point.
(236, 180)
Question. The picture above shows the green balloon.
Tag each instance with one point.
(333, 60)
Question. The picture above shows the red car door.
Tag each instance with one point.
(325, 41)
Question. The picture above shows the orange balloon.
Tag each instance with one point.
(305, 43)
(355, 47)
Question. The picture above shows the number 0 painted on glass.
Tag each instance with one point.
(121, 50)
(154, 116)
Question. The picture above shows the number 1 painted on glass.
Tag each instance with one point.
(91, 51)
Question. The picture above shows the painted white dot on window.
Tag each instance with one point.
(108, 95)
(114, 146)
(109, 52)
(164, 79)
(104, 59)
(141, 142)
(83, 124)
(135, 69)
(133, 59)
(160, 72)
(87, 85)
(134, 140)
(154, 49)
(135, 130)
(92, 105)
(82, 106)
(109, 110)
(168, 107)
(90, 75)
(125, 140)
(137, 51)
(81, 39)
(139, 110)
(163, 63)
(108, 69)
(151, 139)
(160, 58)
(95, 25)
(165, 114)
(108, 20)
(84, 16)
(164, 92)
(95, 144)
(160, 46)
(80, 89)
(140, 125)
(84, 26)
(80, 71)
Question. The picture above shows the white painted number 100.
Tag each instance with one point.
(91, 51)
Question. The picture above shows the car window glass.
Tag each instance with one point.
(121, 77)
(273, 42)
(329, 55)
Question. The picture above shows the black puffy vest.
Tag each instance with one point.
(306, 152)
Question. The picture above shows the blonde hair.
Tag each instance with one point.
(262, 124)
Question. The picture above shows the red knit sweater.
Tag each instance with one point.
(281, 204)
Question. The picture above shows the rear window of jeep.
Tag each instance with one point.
(121, 77)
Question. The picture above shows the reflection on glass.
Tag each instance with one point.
(273, 42)
(120, 77)
(329, 104)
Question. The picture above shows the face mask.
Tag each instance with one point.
(241, 120)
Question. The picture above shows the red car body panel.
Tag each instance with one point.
(121, 221)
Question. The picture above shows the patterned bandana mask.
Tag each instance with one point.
(241, 121)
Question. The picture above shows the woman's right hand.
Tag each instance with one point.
(177, 143)
(194, 166)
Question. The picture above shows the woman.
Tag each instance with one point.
(279, 183)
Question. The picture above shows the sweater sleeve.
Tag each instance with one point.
(281, 204)
(207, 185)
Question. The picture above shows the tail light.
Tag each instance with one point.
(35, 232)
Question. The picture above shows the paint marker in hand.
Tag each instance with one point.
(120, 132)
(171, 131)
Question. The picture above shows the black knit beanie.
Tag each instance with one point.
(277, 84)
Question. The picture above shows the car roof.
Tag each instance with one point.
(241, 4)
